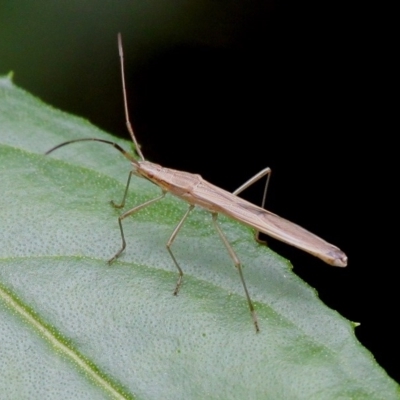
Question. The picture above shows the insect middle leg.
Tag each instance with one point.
(238, 265)
(169, 244)
(266, 171)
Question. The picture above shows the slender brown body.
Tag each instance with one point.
(198, 192)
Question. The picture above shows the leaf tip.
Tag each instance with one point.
(7, 80)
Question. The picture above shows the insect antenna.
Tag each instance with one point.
(115, 145)
(127, 121)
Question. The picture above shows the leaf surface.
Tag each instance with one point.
(73, 326)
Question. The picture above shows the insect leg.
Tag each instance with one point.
(266, 171)
(115, 205)
(238, 265)
(127, 214)
(169, 243)
(254, 179)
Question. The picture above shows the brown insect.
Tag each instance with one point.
(198, 192)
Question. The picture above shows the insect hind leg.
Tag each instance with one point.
(266, 171)
(238, 265)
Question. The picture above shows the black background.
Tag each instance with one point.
(225, 89)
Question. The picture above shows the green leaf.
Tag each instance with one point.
(73, 326)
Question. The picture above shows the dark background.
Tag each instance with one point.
(225, 89)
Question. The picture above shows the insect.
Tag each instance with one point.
(198, 192)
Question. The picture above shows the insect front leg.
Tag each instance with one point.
(238, 265)
(127, 214)
(266, 171)
(169, 244)
(115, 205)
